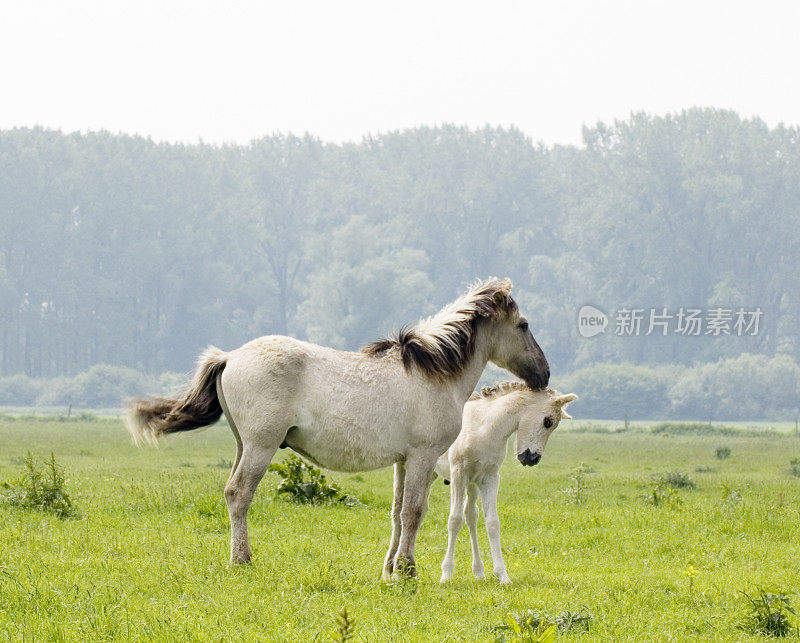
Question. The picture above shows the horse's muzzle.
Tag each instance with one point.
(537, 378)
(529, 458)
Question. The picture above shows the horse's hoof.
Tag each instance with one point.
(480, 576)
(505, 581)
(238, 561)
(404, 568)
(444, 579)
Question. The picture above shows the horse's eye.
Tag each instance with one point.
(548, 422)
(523, 325)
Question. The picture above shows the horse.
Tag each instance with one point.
(398, 401)
(472, 464)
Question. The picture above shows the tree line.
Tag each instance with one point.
(120, 250)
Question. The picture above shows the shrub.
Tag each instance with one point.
(19, 390)
(42, 491)
(613, 390)
(715, 389)
(768, 614)
(304, 483)
(794, 467)
(692, 428)
(676, 480)
(723, 453)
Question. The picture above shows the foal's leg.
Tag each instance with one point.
(419, 475)
(454, 522)
(471, 513)
(397, 505)
(239, 494)
(489, 502)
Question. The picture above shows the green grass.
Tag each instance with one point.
(147, 558)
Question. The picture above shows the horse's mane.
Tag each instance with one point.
(441, 345)
(504, 388)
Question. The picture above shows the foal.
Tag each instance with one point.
(472, 464)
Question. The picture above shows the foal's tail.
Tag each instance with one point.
(197, 405)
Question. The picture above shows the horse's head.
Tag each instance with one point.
(514, 347)
(537, 420)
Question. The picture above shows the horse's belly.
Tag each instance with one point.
(345, 445)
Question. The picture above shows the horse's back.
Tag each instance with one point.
(346, 410)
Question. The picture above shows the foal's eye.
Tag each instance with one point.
(523, 325)
(548, 422)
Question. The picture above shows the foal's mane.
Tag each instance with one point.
(504, 388)
(441, 345)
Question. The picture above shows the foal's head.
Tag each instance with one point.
(541, 411)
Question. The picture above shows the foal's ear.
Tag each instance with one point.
(562, 401)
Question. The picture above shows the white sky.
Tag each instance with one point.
(233, 71)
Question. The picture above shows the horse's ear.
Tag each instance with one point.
(502, 296)
(500, 299)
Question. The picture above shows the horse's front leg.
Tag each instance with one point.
(397, 506)
(418, 478)
(489, 501)
(454, 522)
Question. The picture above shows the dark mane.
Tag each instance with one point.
(441, 345)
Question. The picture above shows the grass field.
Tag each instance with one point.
(147, 558)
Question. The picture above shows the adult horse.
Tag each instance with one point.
(397, 401)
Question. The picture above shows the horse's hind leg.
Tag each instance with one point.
(471, 512)
(489, 501)
(454, 521)
(239, 494)
(397, 506)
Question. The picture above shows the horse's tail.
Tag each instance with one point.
(197, 405)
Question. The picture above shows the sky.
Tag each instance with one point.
(339, 69)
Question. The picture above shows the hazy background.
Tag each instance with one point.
(578, 165)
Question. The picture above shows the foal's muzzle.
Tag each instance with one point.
(528, 458)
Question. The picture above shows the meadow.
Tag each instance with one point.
(147, 556)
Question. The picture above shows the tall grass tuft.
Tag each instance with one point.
(576, 491)
(769, 614)
(40, 490)
(662, 495)
(530, 625)
(345, 627)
